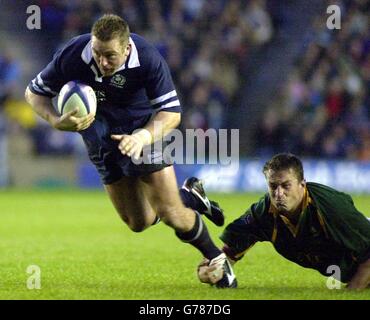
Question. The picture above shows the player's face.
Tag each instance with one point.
(286, 191)
(109, 55)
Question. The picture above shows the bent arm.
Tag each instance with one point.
(241, 234)
(42, 105)
(161, 124)
(361, 279)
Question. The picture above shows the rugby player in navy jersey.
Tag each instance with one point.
(134, 89)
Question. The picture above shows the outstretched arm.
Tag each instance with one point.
(158, 127)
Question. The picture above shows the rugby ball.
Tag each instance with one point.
(76, 95)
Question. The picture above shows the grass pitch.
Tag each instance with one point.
(84, 251)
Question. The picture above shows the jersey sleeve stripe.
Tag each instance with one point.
(36, 88)
(42, 86)
(163, 98)
(175, 103)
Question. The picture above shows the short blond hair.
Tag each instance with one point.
(111, 26)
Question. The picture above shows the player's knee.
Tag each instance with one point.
(123, 216)
(169, 215)
(137, 227)
(135, 223)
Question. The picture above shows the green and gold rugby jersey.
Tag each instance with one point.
(330, 231)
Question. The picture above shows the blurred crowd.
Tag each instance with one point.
(205, 42)
(322, 109)
(324, 106)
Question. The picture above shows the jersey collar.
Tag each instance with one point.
(133, 58)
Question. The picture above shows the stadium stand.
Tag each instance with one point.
(204, 42)
(324, 106)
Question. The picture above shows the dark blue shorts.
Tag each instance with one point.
(108, 159)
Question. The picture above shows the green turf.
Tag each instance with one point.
(86, 252)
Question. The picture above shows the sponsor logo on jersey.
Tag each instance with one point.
(118, 81)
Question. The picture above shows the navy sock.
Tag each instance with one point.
(191, 201)
(199, 237)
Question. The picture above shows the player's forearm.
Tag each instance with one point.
(42, 106)
(361, 280)
(159, 126)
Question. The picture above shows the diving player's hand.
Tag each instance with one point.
(209, 273)
(68, 121)
(203, 271)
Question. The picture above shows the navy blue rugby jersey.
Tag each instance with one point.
(141, 86)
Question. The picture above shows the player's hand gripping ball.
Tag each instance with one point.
(77, 107)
